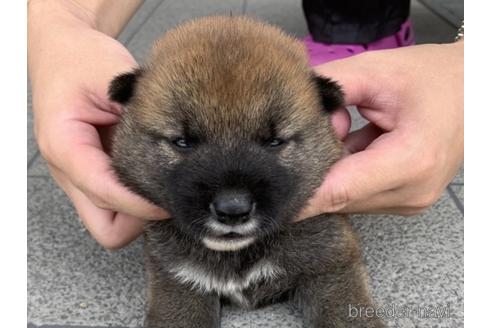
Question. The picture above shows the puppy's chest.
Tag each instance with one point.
(236, 285)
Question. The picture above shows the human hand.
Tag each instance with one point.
(71, 65)
(412, 147)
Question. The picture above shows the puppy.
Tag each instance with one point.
(228, 129)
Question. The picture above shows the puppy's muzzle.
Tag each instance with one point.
(232, 207)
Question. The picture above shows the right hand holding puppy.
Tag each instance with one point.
(412, 147)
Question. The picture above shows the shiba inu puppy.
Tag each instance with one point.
(228, 129)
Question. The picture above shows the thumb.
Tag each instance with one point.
(357, 177)
(350, 74)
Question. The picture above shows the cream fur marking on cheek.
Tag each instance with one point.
(227, 245)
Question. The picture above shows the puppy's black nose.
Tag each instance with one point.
(232, 207)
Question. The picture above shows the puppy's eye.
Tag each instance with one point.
(275, 143)
(181, 143)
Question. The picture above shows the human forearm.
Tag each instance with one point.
(107, 16)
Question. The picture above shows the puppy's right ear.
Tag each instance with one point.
(331, 93)
(122, 87)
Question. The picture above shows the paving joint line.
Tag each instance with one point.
(130, 38)
(37, 176)
(438, 14)
(455, 199)
(33, 158)
(244, 7)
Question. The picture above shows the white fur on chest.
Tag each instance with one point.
(205, 281)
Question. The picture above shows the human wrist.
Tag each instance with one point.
(106, 16)
(57, 12)
(50, 24)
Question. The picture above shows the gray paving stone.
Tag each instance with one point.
(38, 167)
(357, 120)
(459, 191)
(430, 28)
(416, 261)
(460, 177)
(286, 14)
(172, 13)
(411, 261)
(275, 316)
(450, 10)
(71, 279)
(143, 14)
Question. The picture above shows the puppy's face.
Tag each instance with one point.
(232, 143)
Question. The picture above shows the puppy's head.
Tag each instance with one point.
(227, 128)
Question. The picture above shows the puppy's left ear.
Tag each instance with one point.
(122, 87)
(331, 93)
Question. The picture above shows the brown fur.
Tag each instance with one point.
(221, 80)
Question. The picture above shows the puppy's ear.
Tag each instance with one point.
(331, 93)
(122, 87)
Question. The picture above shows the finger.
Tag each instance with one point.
(398, 211)
(102, 186)
(358, 140)
(89, 169)
(357, 82)
(380, 203)
(340, 120)
(349, 73)
(360, 176)
(97, 88)
(406, 200)
(112, 230)
(106, 134)
(386, 202)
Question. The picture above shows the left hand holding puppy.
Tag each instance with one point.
(412, 147)
(71, 65)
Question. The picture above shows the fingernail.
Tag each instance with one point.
(304, 214)
(161, 214)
